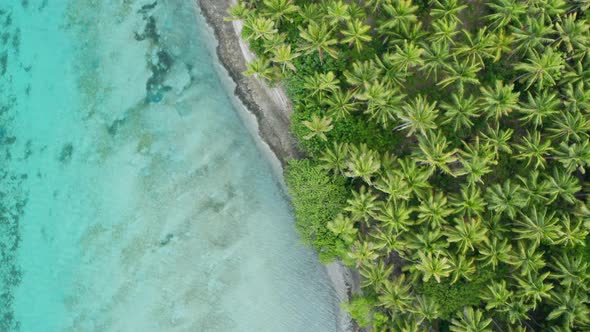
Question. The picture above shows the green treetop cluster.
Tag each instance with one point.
(448, 144)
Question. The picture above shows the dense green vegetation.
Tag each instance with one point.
(448, 144)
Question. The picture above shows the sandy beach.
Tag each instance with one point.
(269, 105)
(272, 110)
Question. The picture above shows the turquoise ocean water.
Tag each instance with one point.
(132, 196)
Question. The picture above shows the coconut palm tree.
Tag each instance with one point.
(318, 38)
(469, 202)
(574, 157)
(444, 32)
(499, 100)
(476, 47)
(461, 268)
(460, 110)
(460, 73)
(535, 288)
(572, 232)
(496, 294)
(386, 241)
(408, 56)
(543, 70)
(336, 12)
(362, 73)
(274, 41)
(343, 227)
(507, 198)
(375, 275)
(498, 138)
(468, 234)
(551, 10)
(562, 184)
(311, 12)
(399, 14)
(570, 306)
(516, 310)
(416, 177)
(395, 216)
(538, 226)
(533, 34)
(396, 295)
(540, 106)
(334, 159)
(362, 205)
(363, 163)
(436, 56)
(382, 102)
(418, 116)
(569, 270)
(433, 152)
(321, 83)
(394, 185)
(570, 125)
(403, 323)
(477, 161)
(434, 210)
(341, 104)
(356, 34)
(533, 149)
(318, 127)
(506, 12)
(284, 56)
(279, 10)
(447, 10)
(239, 11)
(527, 258)
(494, 251)
(256, 28)
(356, 11)
(501, 43)
(425, 309)
(573, 33)
(375, 5)
(435, 266)
(471, 321)
(392, 75)
(535, 188)
(260, 68)
(363, 253)
(424, 240)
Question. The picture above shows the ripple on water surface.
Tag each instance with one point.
(131, 195)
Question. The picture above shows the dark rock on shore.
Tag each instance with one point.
(273, 119)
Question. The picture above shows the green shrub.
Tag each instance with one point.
(453, 297)
(317, 198)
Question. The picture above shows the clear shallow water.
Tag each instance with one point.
(132, 197)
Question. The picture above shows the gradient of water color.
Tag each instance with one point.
(132, 196)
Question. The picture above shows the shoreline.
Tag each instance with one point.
(269, 105)
(271, 110)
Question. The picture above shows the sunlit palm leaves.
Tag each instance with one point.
(499, 100)
(433, 266)
(418, 116)
(357, 34)
(318, 38)
(435, 153)
(466, 233)
(280, 10)
(318, 127)
(542, 69)
(471, 321)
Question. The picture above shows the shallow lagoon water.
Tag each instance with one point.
(133, 197)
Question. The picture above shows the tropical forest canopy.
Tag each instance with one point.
(448, 146)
